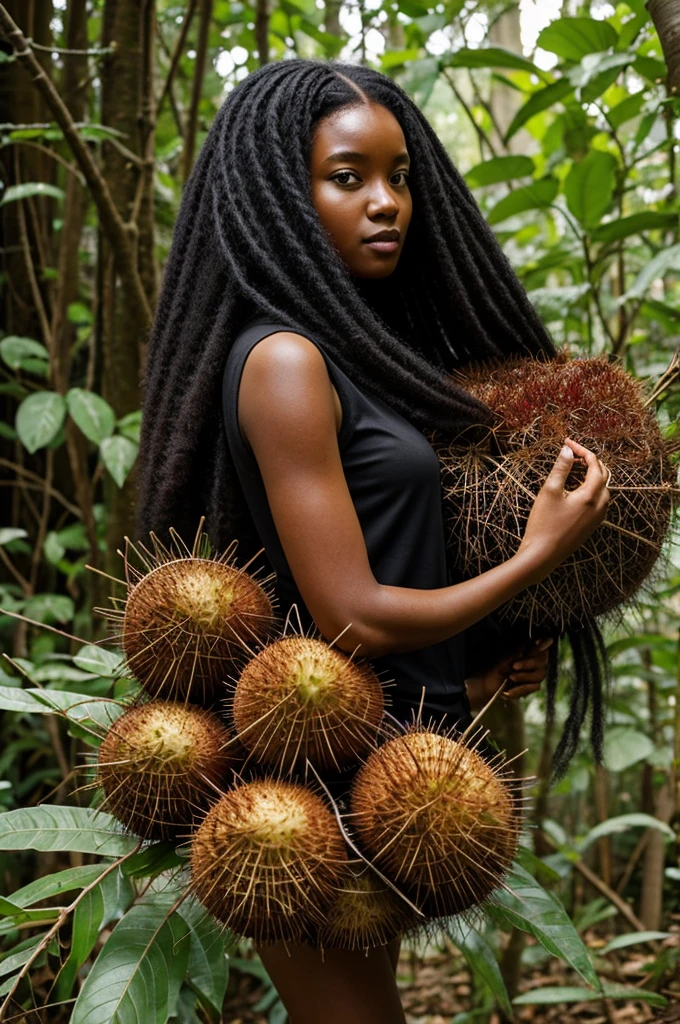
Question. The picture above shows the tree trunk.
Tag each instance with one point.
(127, 106)
(666, 17)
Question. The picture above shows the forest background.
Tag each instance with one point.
(563, 116)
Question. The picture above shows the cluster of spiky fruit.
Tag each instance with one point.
(430, 829)
(490, 486)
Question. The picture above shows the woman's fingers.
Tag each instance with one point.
(524, 690)
(597, 473)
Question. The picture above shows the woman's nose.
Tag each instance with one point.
(382, 200)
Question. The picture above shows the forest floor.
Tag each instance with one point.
(436, 985)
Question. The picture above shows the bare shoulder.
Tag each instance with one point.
(285, 381)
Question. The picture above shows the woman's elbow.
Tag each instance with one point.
(356, 637)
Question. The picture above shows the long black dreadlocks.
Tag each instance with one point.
(248, 241)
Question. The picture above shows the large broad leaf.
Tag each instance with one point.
(621, 823)
(538, 102)
(99, 660)
(624, 227)
(138, 974)
(39, 418)
(574, 38)
(625, 747)
(664, 261)
(534, 910)
(75, 706)
(589, 187)
(50, 828)
(531, 197)
(490, 57)
(500, 168)
(15, 350)
(30, 189)
(118, 454)
(93, 415)
(208, 967)
(481, 959)
(570, 994)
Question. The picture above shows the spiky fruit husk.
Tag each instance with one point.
(366, 913)
(267, 860)
(187, 624)
(489, 487)
(160, 765)
(437, 819)
(300, 698)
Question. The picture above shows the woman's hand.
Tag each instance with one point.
(525, 669)
(560, 521)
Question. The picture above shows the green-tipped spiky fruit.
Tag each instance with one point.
(160, 765)
(300, 698)
(186, 624)
(267, 860)
(437, 819)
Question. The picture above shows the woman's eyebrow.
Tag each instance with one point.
(349, 154)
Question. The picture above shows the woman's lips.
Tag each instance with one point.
(383, 246)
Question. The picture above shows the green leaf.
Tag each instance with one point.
(500, 168)
(625, 747)
(570, 994)
(130, 425)
(596, 72)
(530, 197)
(118, 454)
(93, 415)
(49, 607)
(490, 57)
(99, 660)
(10, 533)
(19, 915)
(50, 828)
(538, 102)
(14, 350)
(97, 908)
(28, 189)
(626, 109)
(664, 261)
(75, 706)
(395, 58)
(589, 186)
(534, 910)
(138, 974)
(14, 962)
(621, 823)
(555, 303)
(208, 968)
(481, 960)
(39, 418)
(650, 68)
(624, 227)
(633, 939)
(574, 38)
(55, 885)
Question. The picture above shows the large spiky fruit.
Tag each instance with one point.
(161, 765)
(188, 623)
(267, 860)
(300, 698)
(489, 487)
(437, 819)
(365, 913)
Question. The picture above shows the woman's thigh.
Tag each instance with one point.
(342, 987)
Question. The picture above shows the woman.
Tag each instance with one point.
(331, 350)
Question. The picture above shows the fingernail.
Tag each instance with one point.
(566, 451)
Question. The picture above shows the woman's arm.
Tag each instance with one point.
(287, 413)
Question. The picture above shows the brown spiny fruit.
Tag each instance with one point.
(300, 698)
(267, 860)
(365, 913)
(437, 819)
(186, 623)
(160, 765)
(489, 486)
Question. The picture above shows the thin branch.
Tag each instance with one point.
(481, 134)
(177, 52)
(99, 52)
(196, 88)
(37, 482)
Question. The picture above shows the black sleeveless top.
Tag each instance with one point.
(393, 476)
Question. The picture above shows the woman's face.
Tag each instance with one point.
(359, 169)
